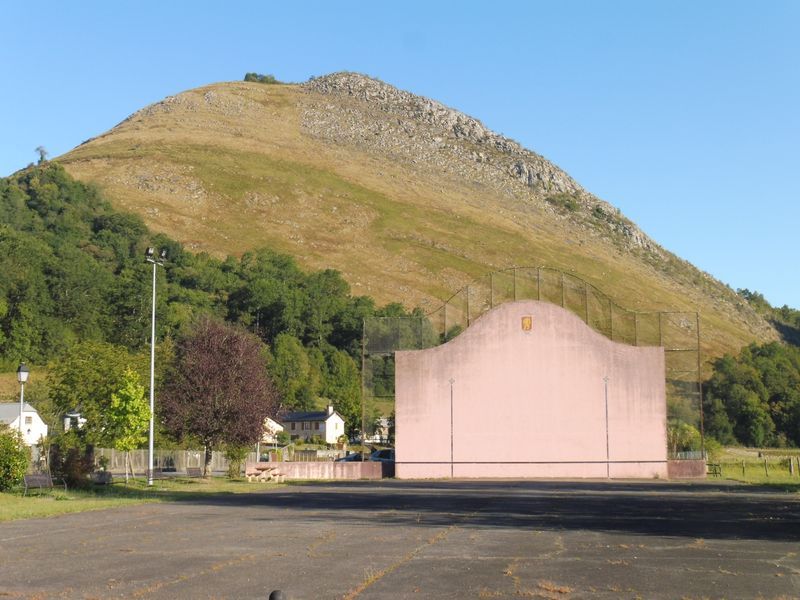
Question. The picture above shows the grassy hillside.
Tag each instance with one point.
(406, 208)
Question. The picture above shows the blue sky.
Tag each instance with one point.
(684, 114)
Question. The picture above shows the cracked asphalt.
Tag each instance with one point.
(402, 539)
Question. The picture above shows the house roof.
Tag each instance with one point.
(10, 411)
(320, 415)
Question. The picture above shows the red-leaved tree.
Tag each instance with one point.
(219, 391)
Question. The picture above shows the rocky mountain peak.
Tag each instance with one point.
(447, 126)
(379, 117)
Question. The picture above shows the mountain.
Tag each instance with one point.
(409, 199)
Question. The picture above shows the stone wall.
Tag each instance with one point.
(687, 469)
(328, 470)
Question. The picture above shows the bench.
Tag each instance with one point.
(41, 481)
(194, 471)
(714, 469)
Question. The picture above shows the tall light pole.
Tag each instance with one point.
(149, 256)
(22, 377)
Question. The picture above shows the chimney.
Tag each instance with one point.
(330, 409)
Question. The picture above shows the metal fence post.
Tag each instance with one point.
(515, 284)
(468, 306)
(586, 301)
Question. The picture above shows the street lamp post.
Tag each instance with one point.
(150, 257)
(22, 377)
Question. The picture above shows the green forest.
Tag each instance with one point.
(753, 398)
(76, 277)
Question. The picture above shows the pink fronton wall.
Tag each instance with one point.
(531, 403)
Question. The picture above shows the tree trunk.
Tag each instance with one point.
(126, 467)
(207, 462)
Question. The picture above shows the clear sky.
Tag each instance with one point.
(684, 114)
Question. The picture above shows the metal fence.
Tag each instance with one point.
(165, 460)
(178, 460)
(678, 332)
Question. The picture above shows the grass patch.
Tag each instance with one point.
(765, 466)
(776, 474)
(57, 502)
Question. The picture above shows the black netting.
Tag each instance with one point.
(677, 332)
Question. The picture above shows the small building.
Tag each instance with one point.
(326, 424)
(33, 428)
(380, 435)
(271, 430)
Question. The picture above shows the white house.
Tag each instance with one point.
(33, 428)
(271, 430)
(327, 425)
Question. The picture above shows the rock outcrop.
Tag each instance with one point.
(362, 112)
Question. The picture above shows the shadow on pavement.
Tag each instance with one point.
(709, 511)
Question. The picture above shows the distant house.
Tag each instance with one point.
(271, 430)
(381, 433)
(33, 428)
(326, 424)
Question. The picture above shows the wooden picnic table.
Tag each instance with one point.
(262, 472)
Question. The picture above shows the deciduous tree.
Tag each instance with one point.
(293, 373)
(343, 387)
(220, 391)
(128, 416)
(86, 379)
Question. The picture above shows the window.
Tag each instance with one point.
(316, 425)
(28, 420)
(306, 426)
(293, 426)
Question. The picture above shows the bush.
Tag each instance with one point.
(565, 202)
(259, 78)
(14, 458)
(713, 449)
(236, 455)
(72, 460)
(283, 438)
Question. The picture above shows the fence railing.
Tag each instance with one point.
(678, 332)
(178, 460)
(165, 460)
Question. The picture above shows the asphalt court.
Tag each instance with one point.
(401, 539)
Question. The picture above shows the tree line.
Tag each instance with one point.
(76, 289)
(754, 398)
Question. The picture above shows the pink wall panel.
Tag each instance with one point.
(531, 403)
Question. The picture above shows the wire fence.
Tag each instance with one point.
(678, 332)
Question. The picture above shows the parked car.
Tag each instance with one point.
(352, 457)
(385, 455)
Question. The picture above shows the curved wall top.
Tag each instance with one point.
(553, 399)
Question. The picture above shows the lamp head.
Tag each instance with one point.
(22, 373)
(149, 252)
(162, 255)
